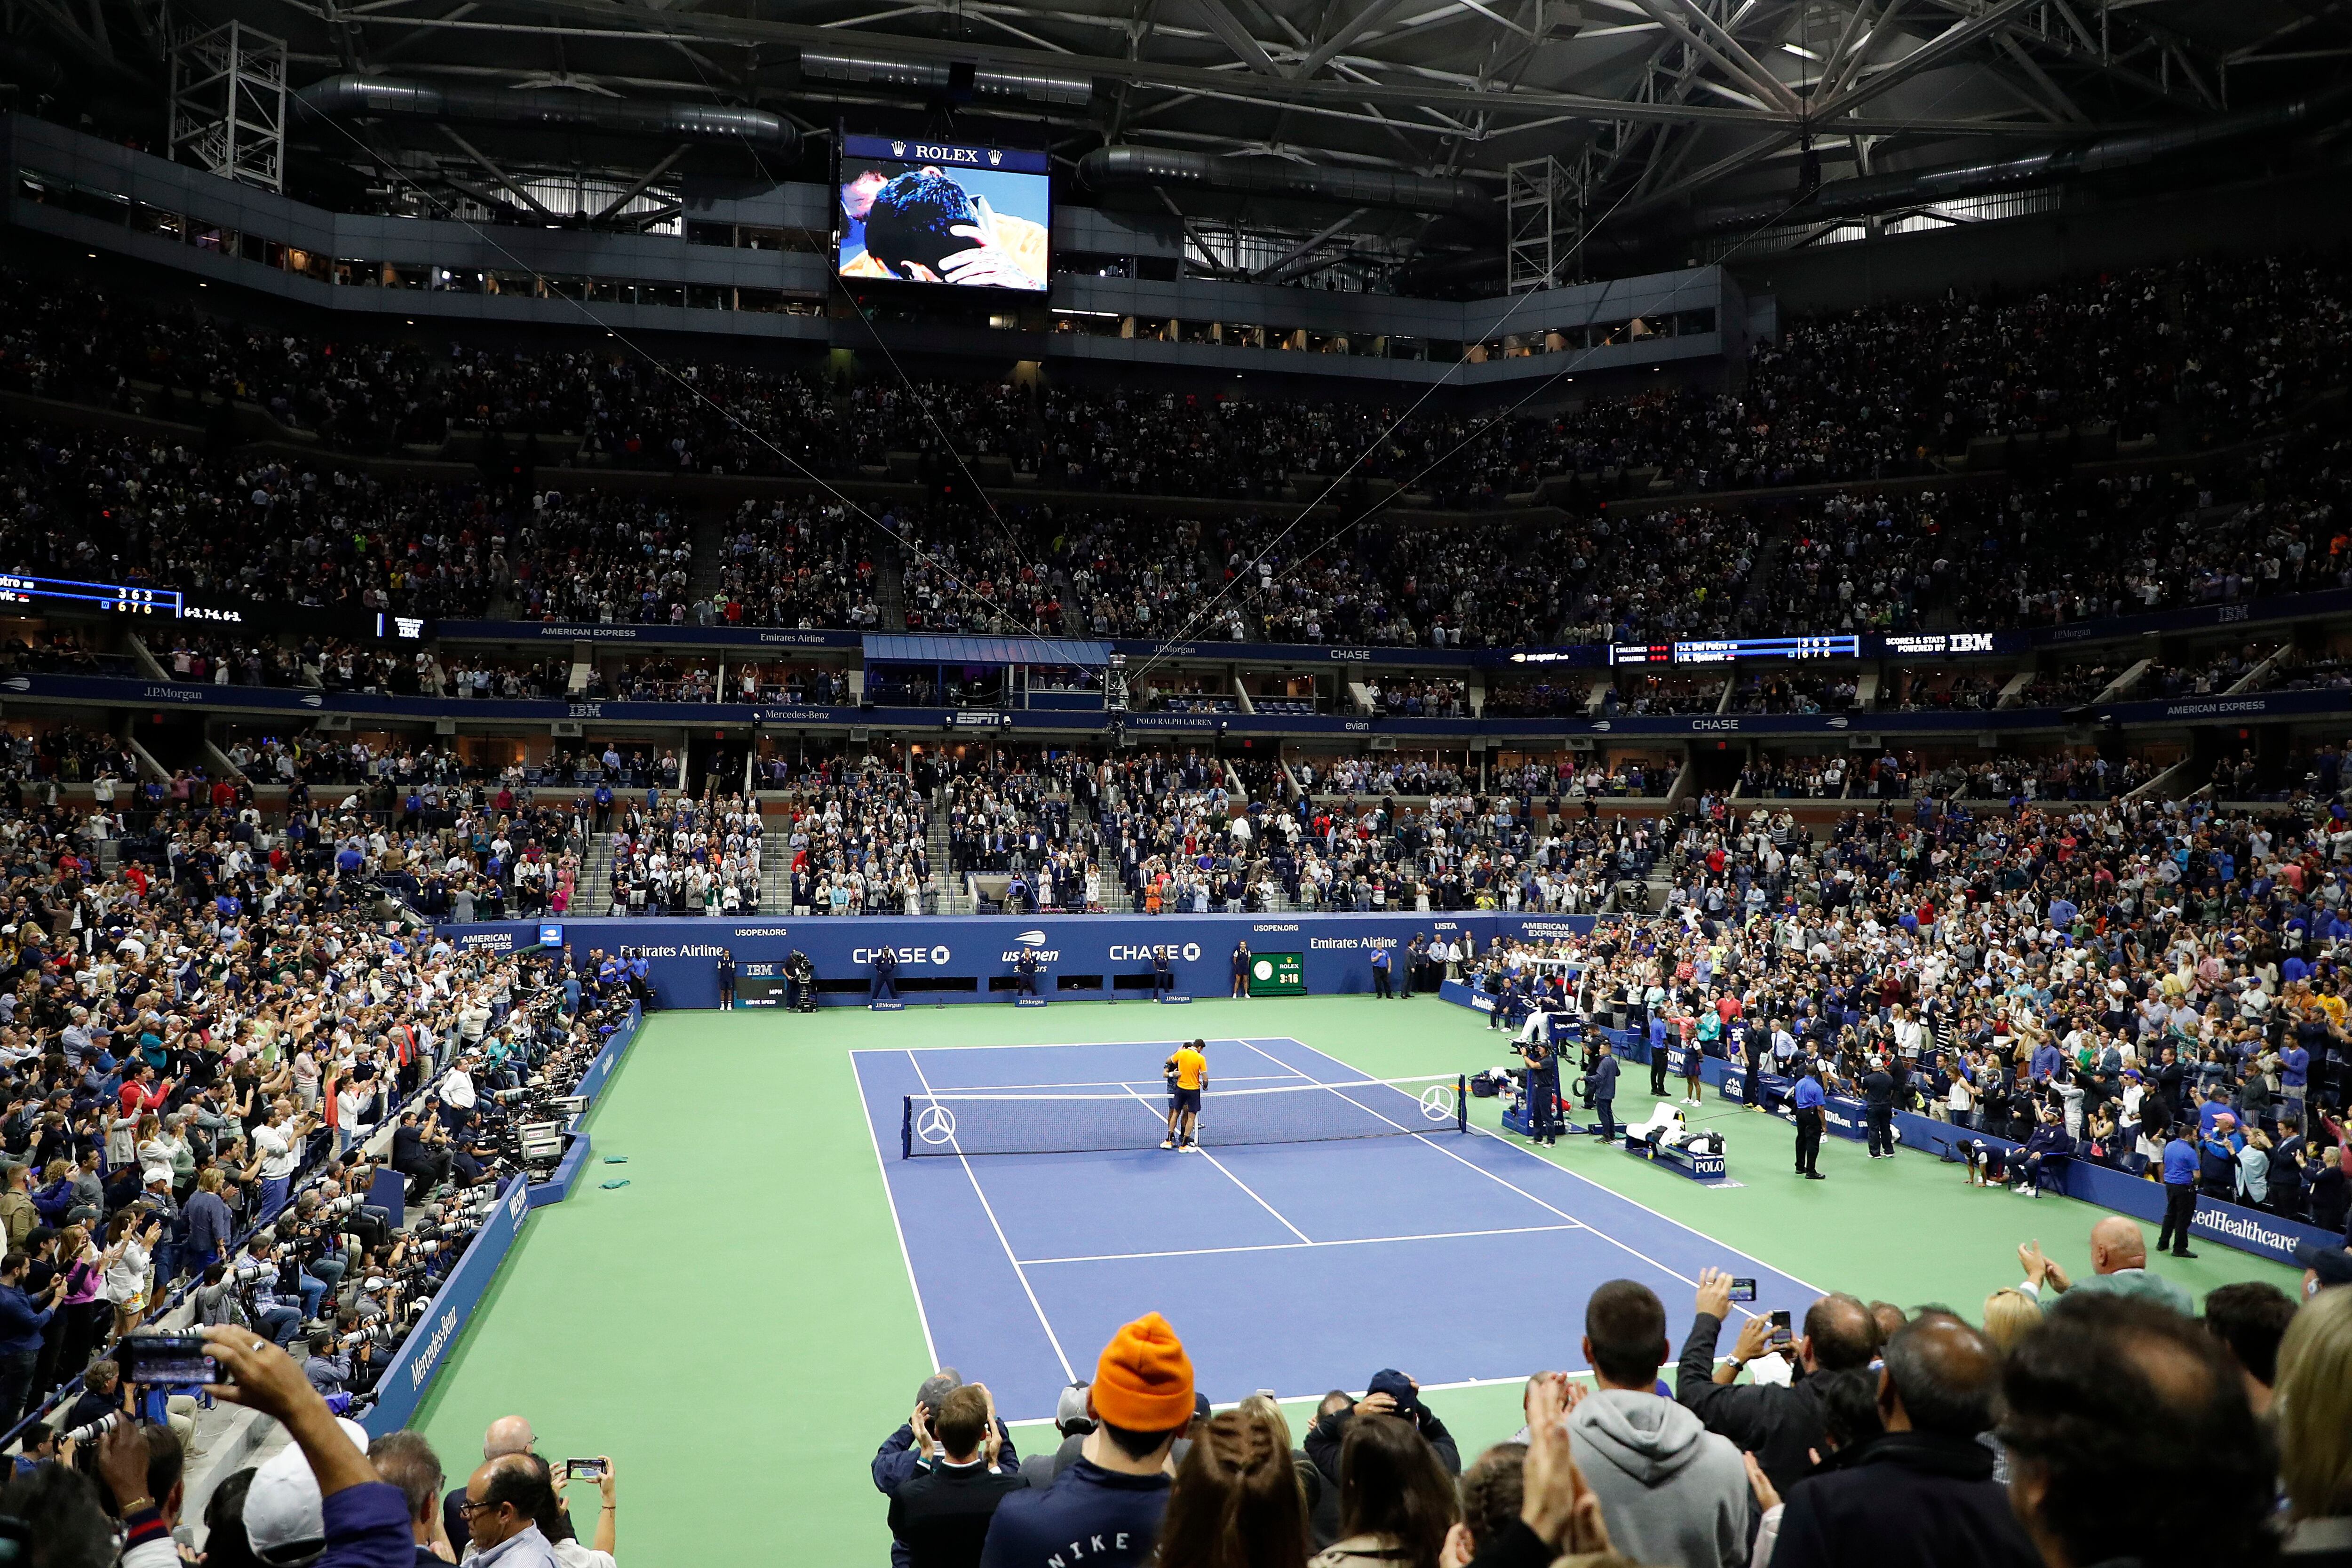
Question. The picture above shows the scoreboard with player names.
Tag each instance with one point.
(17, 589)
(1728, 650)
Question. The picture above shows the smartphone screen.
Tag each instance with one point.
(1780, 1331)
(1743, 1289)
(584, 1469)
(177, 1360)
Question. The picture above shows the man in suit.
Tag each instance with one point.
(940, 1514)
(1601, 1084)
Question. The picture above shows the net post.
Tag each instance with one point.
(906, 1127)
(1462, 1102)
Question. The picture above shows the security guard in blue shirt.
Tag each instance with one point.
(1163, 974)
(2179, 1194)
(884, 984)
(1808, 1099)
(1543, 1091)
(1027, 967)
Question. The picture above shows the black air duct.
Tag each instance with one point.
(357, 96)
(1116, 168)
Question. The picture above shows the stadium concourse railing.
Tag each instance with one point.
(2235, 1225)
(31, 692)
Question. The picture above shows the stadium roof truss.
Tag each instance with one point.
(1653, 101)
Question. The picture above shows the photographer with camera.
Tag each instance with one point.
(263, 1293)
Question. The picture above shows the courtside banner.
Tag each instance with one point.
(972, 958)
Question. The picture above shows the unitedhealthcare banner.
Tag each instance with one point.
(953, 958)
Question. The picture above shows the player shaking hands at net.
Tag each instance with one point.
(1187, 1070)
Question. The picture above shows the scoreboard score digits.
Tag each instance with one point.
(113, 596)
(1728, 650)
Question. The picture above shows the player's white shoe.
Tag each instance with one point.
(1168, 1144)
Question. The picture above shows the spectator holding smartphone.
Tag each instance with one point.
(941, 1515)
(566, 1539)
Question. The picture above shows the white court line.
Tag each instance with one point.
(1626, 1246)
(987, 1088)
(931, 1346)
(965, 1160)
(1295, 1246)
(1015, 1045)
(1236, 1181)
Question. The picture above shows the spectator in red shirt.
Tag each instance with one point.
(139, 1094)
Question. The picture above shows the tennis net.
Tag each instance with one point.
(980, 1121)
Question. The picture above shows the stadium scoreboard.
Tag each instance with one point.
(116, 597)
(1730, 650)
(1277, 974)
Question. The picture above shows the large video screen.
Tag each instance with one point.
(915, 211)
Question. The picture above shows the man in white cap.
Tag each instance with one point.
(317, 1502)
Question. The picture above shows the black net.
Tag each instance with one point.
(979, 1122)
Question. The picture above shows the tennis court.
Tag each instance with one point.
(1332, 1225)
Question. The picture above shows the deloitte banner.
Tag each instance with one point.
(1277, 974)
(970, 958)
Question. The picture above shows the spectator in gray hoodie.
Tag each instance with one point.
(1672, 1494)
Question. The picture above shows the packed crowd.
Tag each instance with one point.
(1820, 405)
(684, 857)
(200, 1045)
(1866, 1432)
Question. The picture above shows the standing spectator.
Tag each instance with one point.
(1380, 974)
(404, 1460)
(2314, 1407)
(1922, 1495)
(1237, 1503)
(1397, 1504)
(1142, 1400)
(1391, 1392)
(1781, 1425)
(22, 1319)
(2250, 1318)
(2113, 1398)
(940, 1514)
(1492, 1496)
(1674, 1494)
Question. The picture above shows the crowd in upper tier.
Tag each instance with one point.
(2206, 352)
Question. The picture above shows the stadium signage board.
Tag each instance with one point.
(1277, 974)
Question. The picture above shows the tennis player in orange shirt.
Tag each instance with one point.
(1187, 1071)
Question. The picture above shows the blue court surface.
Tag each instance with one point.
(1297, 1266)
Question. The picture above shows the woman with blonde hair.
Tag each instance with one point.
(2311, 1405)
(1237, 1503)
(2009, 1314)
(128, 1251)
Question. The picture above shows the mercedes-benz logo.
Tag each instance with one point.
(937, 1123)
(1437, 1102)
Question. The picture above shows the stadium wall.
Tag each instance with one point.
(970, 958)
